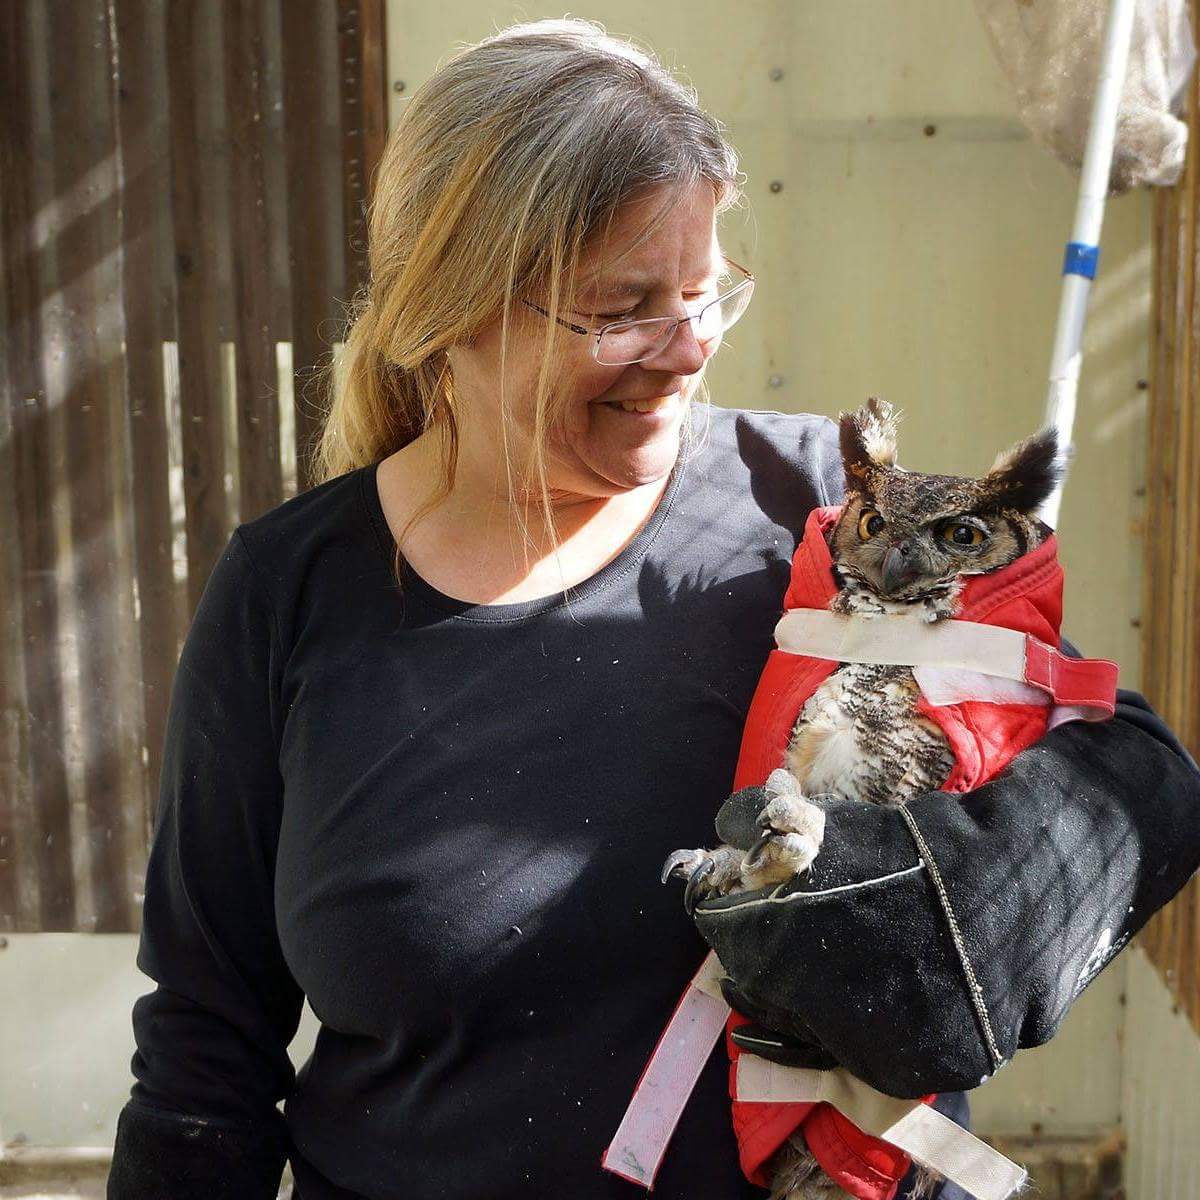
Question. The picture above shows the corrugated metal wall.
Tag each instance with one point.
(179, 182)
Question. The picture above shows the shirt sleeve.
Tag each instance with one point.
(211, 1060)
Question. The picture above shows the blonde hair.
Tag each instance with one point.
(502, 165)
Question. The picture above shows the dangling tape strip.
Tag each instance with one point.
(670, 1074)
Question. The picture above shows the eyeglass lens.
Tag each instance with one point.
(634, 340)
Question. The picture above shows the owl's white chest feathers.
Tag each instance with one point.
(859, 737)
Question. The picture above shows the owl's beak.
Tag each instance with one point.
(900, 566)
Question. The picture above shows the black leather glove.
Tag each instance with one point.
(926, 945)
(772, 1033)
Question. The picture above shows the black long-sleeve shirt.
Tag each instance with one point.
(444, 823)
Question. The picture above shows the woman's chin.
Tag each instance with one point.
(624, 449)
(636, 466)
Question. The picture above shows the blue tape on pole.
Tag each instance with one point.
(1081, 259)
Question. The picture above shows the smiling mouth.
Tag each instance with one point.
(641, 406)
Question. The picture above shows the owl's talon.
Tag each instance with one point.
(708, 873)
(681, 863)
(694, 884)
(755, 853)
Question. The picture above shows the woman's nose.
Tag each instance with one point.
(683, 354)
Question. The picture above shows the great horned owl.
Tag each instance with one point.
(904, 542)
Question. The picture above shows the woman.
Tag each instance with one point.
(439, 718)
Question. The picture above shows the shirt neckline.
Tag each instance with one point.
(465, 610)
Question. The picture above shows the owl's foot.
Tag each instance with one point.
(792, 832)
(708, 873)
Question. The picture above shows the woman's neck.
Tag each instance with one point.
(471, 545)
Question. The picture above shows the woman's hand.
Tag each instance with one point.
(926, 945)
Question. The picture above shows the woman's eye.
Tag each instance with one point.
(869, 523)
(963, 535)
(631, 313)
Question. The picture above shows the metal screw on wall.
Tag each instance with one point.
(776, 185)
(776, 74)
(398, 86)
(775, 381)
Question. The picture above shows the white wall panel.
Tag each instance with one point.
(1160, 1098)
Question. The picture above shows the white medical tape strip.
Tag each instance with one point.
(922, 1132)
(638, 1147)
(934, 1140)
(761, 1081)
(1060, 714)
(900, 639)
(708, 978)
(942, 686)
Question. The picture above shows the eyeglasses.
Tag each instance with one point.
(622, 342)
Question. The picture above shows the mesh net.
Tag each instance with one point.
(1051, 51)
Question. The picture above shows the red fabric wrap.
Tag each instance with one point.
(1026, 596)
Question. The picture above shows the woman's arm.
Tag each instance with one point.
(922, 950)
(211, 1060)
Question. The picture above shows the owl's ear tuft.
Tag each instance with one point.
(1023, 476)
(868, 439)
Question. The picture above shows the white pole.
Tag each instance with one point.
(1079, 267)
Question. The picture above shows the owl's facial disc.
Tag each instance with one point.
(906, 560)
(908, 537)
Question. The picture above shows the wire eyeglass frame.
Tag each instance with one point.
(668, 325)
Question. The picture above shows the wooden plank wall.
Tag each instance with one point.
(182, 224)
(1171, 608)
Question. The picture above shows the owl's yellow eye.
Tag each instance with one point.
(869, 524)
(963, 535)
